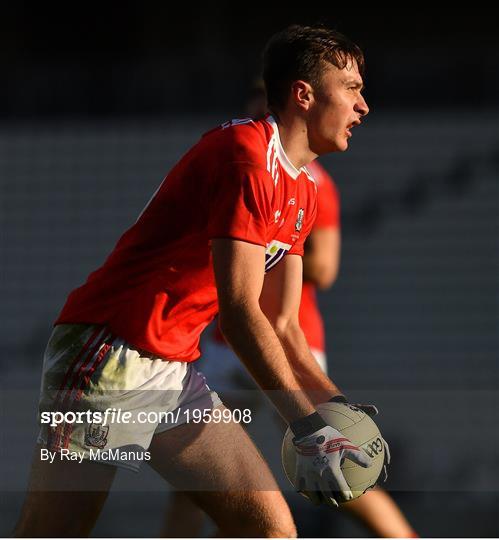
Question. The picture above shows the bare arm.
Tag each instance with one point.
(239, 273)
(280, 301)
(322, 256)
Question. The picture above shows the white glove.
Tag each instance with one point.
(318, 473)
(371, 410)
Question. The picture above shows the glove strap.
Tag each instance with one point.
(338, 399)
(307, 425)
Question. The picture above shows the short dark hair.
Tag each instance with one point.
(299, 53)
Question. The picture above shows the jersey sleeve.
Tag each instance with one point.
(328, 204)
(241, 203)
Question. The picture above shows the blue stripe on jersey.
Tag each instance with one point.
(272, 260)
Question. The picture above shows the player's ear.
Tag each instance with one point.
(302, 94)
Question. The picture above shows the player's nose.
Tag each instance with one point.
(361, 106)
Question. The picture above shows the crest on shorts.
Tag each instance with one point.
(299, 220)
(96, 435)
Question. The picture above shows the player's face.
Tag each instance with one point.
(338, 107)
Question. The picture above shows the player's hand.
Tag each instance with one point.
(384, 473)
(318, 472)
(370, 410)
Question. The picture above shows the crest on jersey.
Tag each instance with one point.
(96, 435)
(299, 220)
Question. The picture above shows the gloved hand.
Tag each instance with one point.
(319, 456)
(370, 410)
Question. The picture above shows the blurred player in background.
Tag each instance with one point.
(376, 509)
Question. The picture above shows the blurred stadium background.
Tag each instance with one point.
(96, 105)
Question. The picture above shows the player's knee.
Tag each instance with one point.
(283, 531)
(274, 522)
(281, 523)
(259, 530)
(281, 526)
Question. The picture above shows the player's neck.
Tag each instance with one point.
(294, 139)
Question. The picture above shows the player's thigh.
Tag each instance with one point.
(64, 498)
(220, 467)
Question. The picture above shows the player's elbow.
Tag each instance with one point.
(280, 325)
(325, 276)
(320, 271)
(323, 284)
(285, 325)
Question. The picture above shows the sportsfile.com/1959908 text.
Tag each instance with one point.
(117, 416)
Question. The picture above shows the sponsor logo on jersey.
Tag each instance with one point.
(292, 201)
(274, 253)
(299, 220)
(96, 435)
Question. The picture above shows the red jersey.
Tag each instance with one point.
(328, 215)
(157, 289)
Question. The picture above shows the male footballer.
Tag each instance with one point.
(224, 233)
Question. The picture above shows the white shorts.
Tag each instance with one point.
(106, 399)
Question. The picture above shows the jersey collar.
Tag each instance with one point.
(281, 154)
